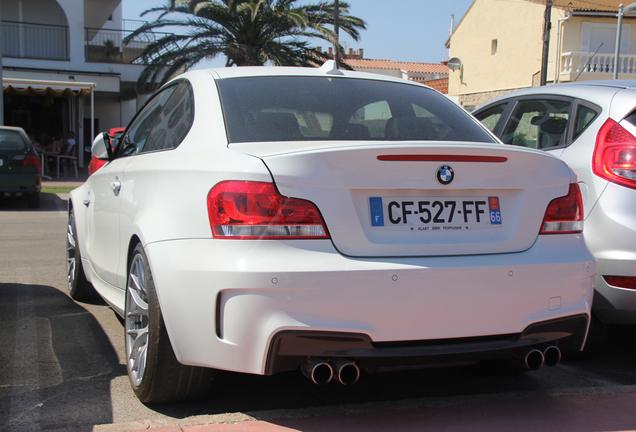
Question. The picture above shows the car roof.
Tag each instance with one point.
(14, 129)
(599, 92)
(326, 70)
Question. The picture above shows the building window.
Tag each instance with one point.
(601, 38)
(493, 47)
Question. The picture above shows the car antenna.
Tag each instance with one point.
(588, 61)
(330, 68)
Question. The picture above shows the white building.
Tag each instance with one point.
(63, 64)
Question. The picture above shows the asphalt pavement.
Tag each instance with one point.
(602, 405)
(575, 413)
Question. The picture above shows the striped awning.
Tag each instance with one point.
(43, 88)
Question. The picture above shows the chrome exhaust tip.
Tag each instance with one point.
(532, 358)
(346, 371)
(317, 370)
(551, 355)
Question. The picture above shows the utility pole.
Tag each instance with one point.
(336, 30)
(546, 42)
(619, 31)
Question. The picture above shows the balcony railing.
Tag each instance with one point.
(106, 46)
(575, 63)
(37, 41)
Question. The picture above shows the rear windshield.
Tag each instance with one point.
(10, 140)
(261, 109)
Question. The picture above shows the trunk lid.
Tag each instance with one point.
(420, 200)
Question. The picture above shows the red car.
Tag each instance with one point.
(95, 163)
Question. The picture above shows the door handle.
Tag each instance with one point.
(115, 187)
(87, 202)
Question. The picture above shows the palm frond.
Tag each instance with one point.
(246, 32)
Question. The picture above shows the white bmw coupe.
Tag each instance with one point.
(269, 219)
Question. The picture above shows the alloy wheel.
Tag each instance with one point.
(71, 250)
(137, 321)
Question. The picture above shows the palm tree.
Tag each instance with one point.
(246, 32)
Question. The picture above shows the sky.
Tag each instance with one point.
(398, 30)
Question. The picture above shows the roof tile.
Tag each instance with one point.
(585, 5)
(406, 66)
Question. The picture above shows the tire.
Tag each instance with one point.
(79, 288)
(155, 373)
(33, 200)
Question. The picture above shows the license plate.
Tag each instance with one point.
(434, 213)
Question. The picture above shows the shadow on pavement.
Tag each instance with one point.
(48, 202)
(62, 379)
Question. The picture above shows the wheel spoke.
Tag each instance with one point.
(138, 365)
(140, 340)
(70, 271)
(70, 235)
(140, 302)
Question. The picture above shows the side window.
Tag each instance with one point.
(584, 116)
(174, 121)
(136, 136)
(539, 124)
(491, 116)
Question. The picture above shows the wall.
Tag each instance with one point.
(107, 110)
(517, 25)
(34, 11)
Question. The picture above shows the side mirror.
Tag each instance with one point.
(101, 147)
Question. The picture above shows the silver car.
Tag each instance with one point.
(592, 126)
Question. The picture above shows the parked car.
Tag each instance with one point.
(269, 219)
(592, 126)
(95, 164)
(19, 166)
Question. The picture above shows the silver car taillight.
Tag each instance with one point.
(615, 155)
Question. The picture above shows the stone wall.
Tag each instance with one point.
(475, 100)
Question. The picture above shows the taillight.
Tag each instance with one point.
(25, 160)
(628, 282)
(565, 214)
(255, 210)
(615, 155)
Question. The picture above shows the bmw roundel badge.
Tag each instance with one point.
(445, 175)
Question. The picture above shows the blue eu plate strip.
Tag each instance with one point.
(377, 212)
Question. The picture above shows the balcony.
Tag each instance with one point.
(35, 41)
(587, 66)
(106, 45)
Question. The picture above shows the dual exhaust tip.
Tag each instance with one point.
(321, 371)
(535, 357)
(346, 372)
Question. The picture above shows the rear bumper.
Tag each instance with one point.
(226, 302)
(610, 232)
(11, 183)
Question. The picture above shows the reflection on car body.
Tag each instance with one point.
(237, 227)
